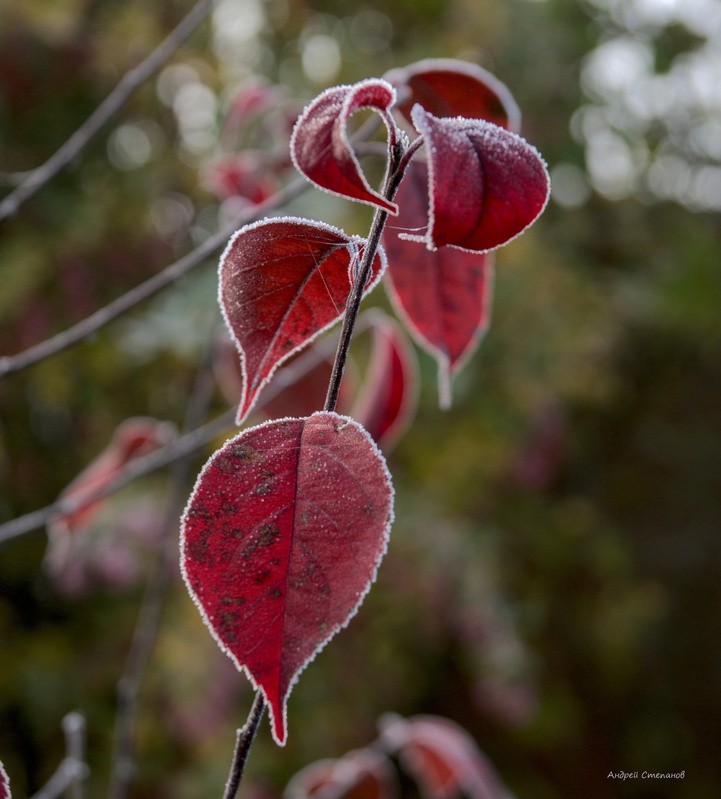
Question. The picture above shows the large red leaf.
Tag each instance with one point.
(360, 774)
(486, 184)
(281, 539)
(4, 784)
(444, 295)
(442, 757)
(320, 147)
(388, 399)
(282, 282)
(446, 87)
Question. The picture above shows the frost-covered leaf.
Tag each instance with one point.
(282, 282)
(486, 184)
(4, 784)
(281, 539)
(442, 757)
(446, 87)
(320, 147)
(360, 774)
(133, 438)
(444, 295)
(388, 399)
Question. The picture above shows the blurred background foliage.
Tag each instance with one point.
(554, 577)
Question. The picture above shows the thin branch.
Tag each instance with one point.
(148, 624)
(243, 742)
(91, 324)
(112, 103)
(175, 450)
(73, 770)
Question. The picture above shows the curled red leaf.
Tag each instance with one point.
(442, 757)
(319, 144)
(388, 400)
(360, 774)
(446, 87)
(444, 295)
(282, 282)
(486, 184)
(281, 539)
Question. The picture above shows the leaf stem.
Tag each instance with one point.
(243, 742)
(396, 169)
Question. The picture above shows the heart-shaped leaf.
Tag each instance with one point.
(390, 388)
(486, 184)
(282, 282)
(446, 87)
(442, 757)
(320, 147)
(281, 539)
(444, 295)
(4, 784)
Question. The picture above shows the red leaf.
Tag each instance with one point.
(442, 757)
(282, 282)
(242, 175)
(281, 540)
(390, 389)
(443, 296)
(361, 774)
(449, 88)
(299, 386)
(320, 147)
(132, 438)
(486, 184)
(4, 784)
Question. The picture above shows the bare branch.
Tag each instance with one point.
(175, 450)
(72, 771)
(159, 578)
(86, 327)
(112, 103)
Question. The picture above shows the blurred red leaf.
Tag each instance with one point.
(449, 88)
(361, 774)
(300, 384)
(281, 540)
(444, 295)
(242, 175)
(388, 398)
(4, 784)
(133, 438)
(486, 184)
(442, 757)
(282, 282)
(320, 147)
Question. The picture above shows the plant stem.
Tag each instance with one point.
(242, 746)
(362, 273)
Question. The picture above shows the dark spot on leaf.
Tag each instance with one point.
(261, 577)
(275, 593)
(244, 452)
